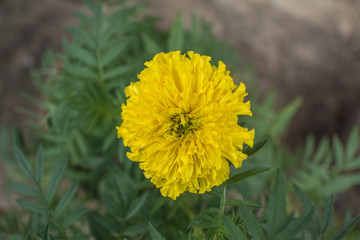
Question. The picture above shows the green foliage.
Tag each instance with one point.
(83, 92)
(45, 214)
(328, 169)
(84, 86)
(319, 169)
(273, 222)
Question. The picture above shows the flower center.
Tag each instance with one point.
(182, 126)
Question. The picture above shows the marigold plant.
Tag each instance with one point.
(181, 123)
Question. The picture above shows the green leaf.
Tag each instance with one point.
(114, 52)
(114, 208)
(340, 184)
(277, 205)
(151, 46)
(183, 236)
(251, 224)
(154, 234)
(137, 229)
(257, 146)
(55, 180)
(296, 226)
(98, 226)
(82, 36)
(328, 213)
(119, 183)
(116, 71)
(352, 143)
(46, 233)
(246, 174)
(234, 231)
(65, 200)
(353, 164)
(338, 151)
(306, 202)
(80, 53)
(136, 206)
(24, 164)
(73, 218)
(34, 207)
(309, 147)
(285, 115)
(176, 35)
(24, 189)
(321, 151)
(39, 165)
(80, 71)
(236, 202)
(345, 229)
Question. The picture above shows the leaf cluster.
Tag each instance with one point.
(46, 211)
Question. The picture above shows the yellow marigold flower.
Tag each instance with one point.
(180, 122)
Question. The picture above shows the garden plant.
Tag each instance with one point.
(161, 134)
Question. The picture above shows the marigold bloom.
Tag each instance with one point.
(181, 123)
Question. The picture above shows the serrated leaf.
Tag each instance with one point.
(65, 200)
(257, 146)
(112, 53)
(39, 165)
(246, 174)
(328, 213)
(295, 226)
(345, 229)
(80, 71)
(251, 224)
(55, 180)
(136, 206)
(73, 218)
(154, 234)
(46, 235)
(24, 189)
(24, 164)
(277, 205)
(352, 143)
(306, 202)
(80, 53)
(176, 35)
(234, 231)
(338, 151)
(83, 36)
(116, 71)
(34, 207)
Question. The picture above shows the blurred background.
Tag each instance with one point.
(308, 48)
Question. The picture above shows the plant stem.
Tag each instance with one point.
(222, 201)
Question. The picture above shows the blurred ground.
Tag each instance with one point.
(309, 48)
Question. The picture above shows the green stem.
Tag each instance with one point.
(222, 200)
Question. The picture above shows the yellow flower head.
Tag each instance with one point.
(181, 123)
